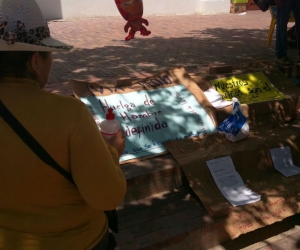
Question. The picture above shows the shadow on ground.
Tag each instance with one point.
(143, 56)
(262, 234)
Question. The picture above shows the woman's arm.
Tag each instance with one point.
(95, 165)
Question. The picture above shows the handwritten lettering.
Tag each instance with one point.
(144, 129)
(279, 212)
(165, 79)
(157, 82)
(230, 85)
(104, 106)
(244, 226)
(241, 215)
(230, 94)
(254, 90)
(191, 110)
(293, 193)
(146, 117)
(293, 206)
(137, 150)
(275, 203)
(96, 118)
(266, 217)
(202, 126)
(146, 114)
(267, 87)
(148, 102)
(150, 83)
(247, 88)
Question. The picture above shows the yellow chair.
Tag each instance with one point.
(273, 11)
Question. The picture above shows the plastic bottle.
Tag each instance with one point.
(110, 126)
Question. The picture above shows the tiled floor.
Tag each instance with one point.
(102, 54)
(281, 236)
(167, 220)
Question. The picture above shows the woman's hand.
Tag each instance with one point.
(117, 141)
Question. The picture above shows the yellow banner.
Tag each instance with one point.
(248, 88)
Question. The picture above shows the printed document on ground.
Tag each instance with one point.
(230, 183)
(283, 162)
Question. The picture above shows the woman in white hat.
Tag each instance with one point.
(41, 208)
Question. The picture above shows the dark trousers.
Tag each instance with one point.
(106, 243)
(283, 13)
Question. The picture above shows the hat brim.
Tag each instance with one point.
(51, 45)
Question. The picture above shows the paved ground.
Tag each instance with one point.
(190, 41)
(193, 40)
(283, 236)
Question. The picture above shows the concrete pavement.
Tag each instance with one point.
(283, 235)
(103, 54)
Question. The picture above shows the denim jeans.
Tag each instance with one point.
(283, 13)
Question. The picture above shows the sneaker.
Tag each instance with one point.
(284, 60)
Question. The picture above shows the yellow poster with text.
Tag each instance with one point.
(247, 88)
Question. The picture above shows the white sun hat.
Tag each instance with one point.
(24, 28)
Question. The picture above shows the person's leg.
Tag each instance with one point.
(103, 243)
(296, 12)
(291, 32)
(283, 13)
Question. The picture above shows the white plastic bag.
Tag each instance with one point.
(235, 127)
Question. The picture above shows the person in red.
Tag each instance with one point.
(132, 12)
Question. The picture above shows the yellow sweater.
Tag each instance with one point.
(39, 208)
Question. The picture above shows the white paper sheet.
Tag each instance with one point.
(215, 98)
(230, 183)
(283, 162)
